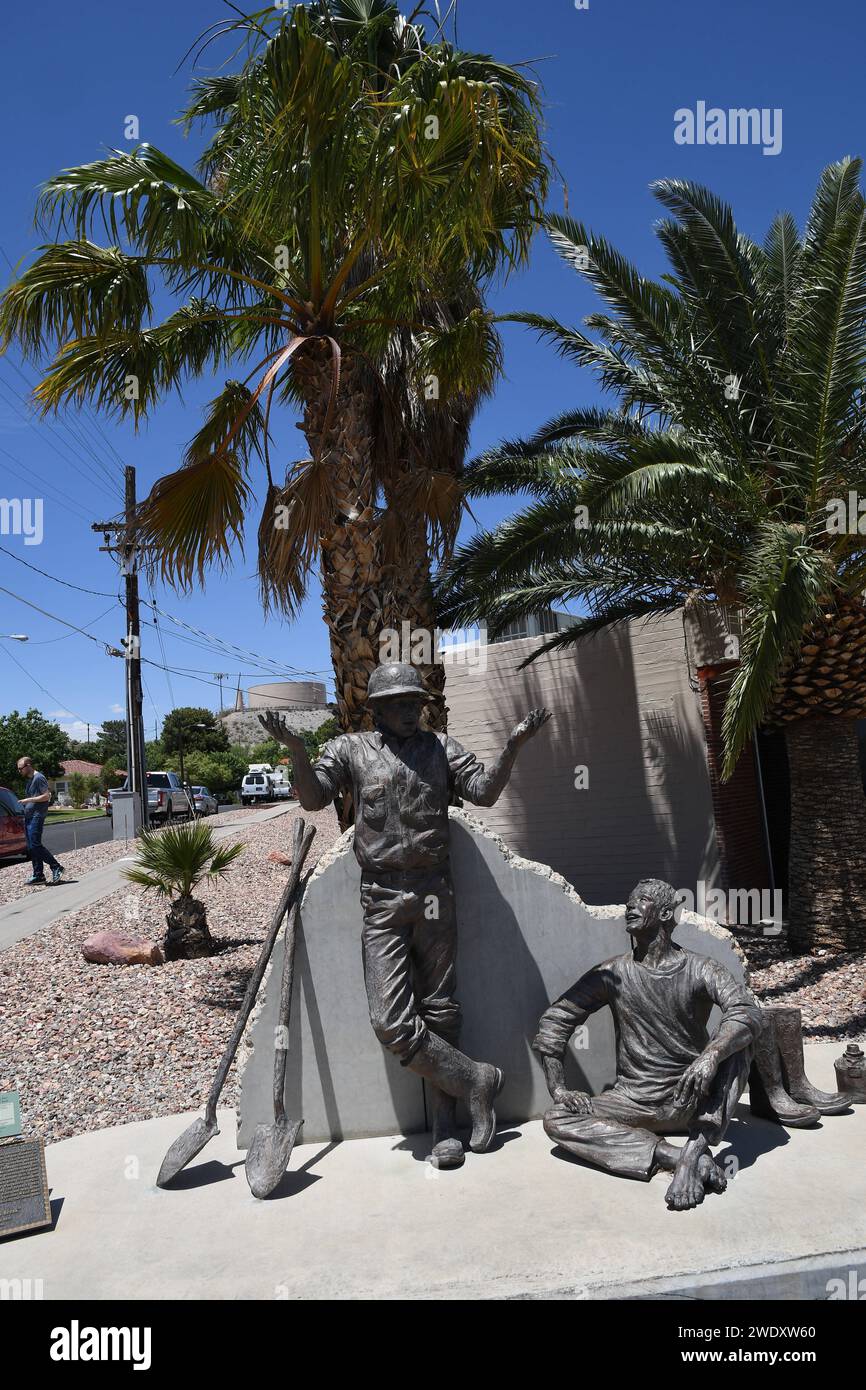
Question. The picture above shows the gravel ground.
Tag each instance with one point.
(829, 989)
(83, 861)
(93, 1045)
(89, 1046)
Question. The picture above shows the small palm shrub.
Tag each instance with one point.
(173, 862)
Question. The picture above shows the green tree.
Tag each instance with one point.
(216, 771)
(112, 742)
(361, 185)
(109, 778)
(718, 479)
(154, 755)
(78, 789)
(30, 735)
(197, 728)
(87, 752)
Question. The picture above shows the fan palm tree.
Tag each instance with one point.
(362, 183)
(173, 862)
(719, 477)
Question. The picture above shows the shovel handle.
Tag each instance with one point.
(281, 1052)
(304, 836)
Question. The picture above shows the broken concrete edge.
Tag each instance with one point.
(343, 846)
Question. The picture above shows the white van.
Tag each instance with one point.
(256, 787)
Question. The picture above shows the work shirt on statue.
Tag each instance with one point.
(660, 1017)
(401, 791)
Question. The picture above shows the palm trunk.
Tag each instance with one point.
(188, 936)
(409, 598)
(827, 875)
(351, 572)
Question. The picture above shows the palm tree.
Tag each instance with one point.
(173, 862)
(718, 478)
(361, 186)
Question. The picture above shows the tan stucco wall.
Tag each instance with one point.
(623, 707)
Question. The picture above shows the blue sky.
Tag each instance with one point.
(613, 76)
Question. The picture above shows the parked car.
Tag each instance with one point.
(13, 840)
(166, 796)
(205, 804)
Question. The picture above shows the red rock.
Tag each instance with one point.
(277, 856)
(113, 948)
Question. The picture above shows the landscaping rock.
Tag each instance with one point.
(113, 948)
(277, 856)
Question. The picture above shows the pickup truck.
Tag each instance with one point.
(166, 797)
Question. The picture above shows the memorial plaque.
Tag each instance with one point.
(10, 1114)
(24, 1204)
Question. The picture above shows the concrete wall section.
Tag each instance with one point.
(525, 936)
(623, 708)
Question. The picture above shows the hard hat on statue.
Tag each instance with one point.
(397, 678)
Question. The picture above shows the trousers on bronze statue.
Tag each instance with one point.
(620, 1134)
(409, 945)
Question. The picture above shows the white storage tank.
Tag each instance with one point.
(286, 695)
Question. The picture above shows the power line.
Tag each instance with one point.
(53, 616)
(47, 641)
(56, 700)
(57, 494)
(107, 444)
(245, 652)
(97, 593)
(76, 458)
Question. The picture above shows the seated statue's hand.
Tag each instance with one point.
(695, 1081)
(578, 1102)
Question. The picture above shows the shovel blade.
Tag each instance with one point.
(268, 1155)
(185, 1148)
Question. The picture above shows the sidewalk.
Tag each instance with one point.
(368, 1218)
(34, 911)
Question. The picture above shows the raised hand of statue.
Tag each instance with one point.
(578, 1102)
(275, 726)
(695, 1081)
(529, 727)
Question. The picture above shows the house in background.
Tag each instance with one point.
(60, 785)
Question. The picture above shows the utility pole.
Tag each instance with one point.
(221, 676)
(126, 546)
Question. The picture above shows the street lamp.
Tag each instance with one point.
(180, 751)
(14, 637)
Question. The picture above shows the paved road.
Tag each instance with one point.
(75, 834)
(36, 910)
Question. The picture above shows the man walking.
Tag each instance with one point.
(35, 801)
(401, 779)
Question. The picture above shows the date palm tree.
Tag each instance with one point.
(360, 186)
(719, 477)
(173, 862)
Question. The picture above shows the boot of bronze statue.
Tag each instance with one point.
(767, 1095)
(448, 1149)
(478, 1083)
(789, 1034)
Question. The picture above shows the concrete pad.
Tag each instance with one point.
(368, 1218)
(31, 913)
(525, 936)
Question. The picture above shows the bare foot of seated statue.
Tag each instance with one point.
(695, 1173)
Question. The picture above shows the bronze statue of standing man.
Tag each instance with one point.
(402, 778)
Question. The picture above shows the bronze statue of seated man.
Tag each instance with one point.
(671, 1076)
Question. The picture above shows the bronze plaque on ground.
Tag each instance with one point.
(24, 1204)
